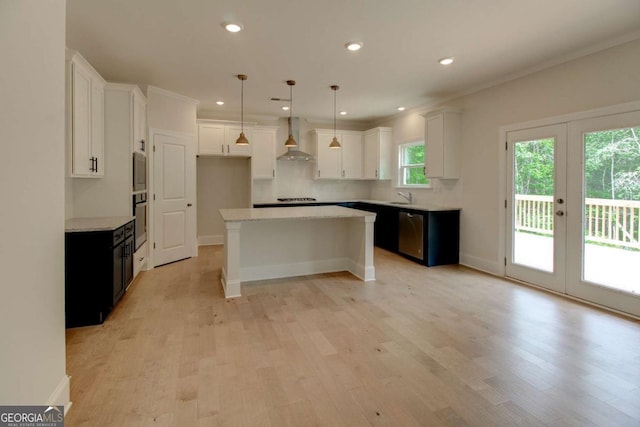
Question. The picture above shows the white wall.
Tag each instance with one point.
(602, 79)
(170, 111)
(32, 47)
(223, 183)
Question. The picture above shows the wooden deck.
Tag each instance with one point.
(443, 346)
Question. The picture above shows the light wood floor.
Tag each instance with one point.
(444, 346)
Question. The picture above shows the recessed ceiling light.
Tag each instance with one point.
(446, 61)
(354, 46)
(343, 113)
(220, 102)
(232, 27)
(285, 107)
(401, 108)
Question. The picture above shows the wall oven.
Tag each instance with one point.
(140, 225)
(139, 172)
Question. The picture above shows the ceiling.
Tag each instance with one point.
(181, 46)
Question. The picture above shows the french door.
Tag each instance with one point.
(537, 246)
(573, 209)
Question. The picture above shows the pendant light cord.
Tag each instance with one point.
(242, 106)
(334, 113)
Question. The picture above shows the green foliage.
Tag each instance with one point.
(612, 164)
(415, 176)
(611, 170)
(414, 155)
(534, 167)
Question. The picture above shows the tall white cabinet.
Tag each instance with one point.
(263, 158)
(377, 149)
(84, 118)
(442, 144)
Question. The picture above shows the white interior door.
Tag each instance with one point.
(174, 193)
(536, 194)
(604, 187)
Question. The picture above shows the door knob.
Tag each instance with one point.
(560, 213)
(560, 201)
(189, 205)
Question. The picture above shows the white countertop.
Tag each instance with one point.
(77, 225)
(416, 206)
(294, 212)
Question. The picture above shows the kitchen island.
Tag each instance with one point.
(272, 243)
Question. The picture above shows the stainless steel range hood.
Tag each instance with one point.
(293, 153)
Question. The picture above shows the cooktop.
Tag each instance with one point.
(296, 199)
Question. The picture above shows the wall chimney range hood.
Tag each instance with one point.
(293, 153)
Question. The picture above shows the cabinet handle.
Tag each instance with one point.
(142, 144)
(343, 173)
(222, 147)
(96, 165)
(376, 173)
(318, 173)
(273, 173)
(228, 149)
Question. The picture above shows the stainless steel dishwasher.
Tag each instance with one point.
(410, 234)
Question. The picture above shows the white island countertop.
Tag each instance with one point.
(298, 212)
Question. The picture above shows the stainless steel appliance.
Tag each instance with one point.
(139, 172)
(140, 212)
(410, 234)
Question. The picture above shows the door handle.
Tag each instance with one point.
(560, 213)
(189, 205)
(560, 201)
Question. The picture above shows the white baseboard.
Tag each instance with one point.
(361, 272)
(481, 264)
(211, 240)
(62, 394)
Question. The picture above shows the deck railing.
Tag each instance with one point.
(613, 222)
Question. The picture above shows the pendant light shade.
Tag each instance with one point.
(290, 142)
(334, 142)
(242, 140)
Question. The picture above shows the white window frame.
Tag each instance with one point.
(402, 167)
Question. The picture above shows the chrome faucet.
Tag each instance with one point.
(409, 197)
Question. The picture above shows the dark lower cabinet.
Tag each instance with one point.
(440, 239)
(98, 269)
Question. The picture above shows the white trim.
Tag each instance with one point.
(267, 272)
(481, 264)
(213, 239)
(164, 92)
(61, 394)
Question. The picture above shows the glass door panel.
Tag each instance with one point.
(604, 182)
(611, 206)
(536, 187)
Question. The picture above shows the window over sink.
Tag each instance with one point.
(411, 165)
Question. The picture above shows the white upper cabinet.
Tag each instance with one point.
(442, 144)
(328, 160)
(377, 153)
(263, 160)
(84, 118)
(231, 134)
(363, 155)
(351, 154)
(219, 139)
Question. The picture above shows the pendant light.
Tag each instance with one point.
(290, 142)
(242, 140)
(334, 141)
